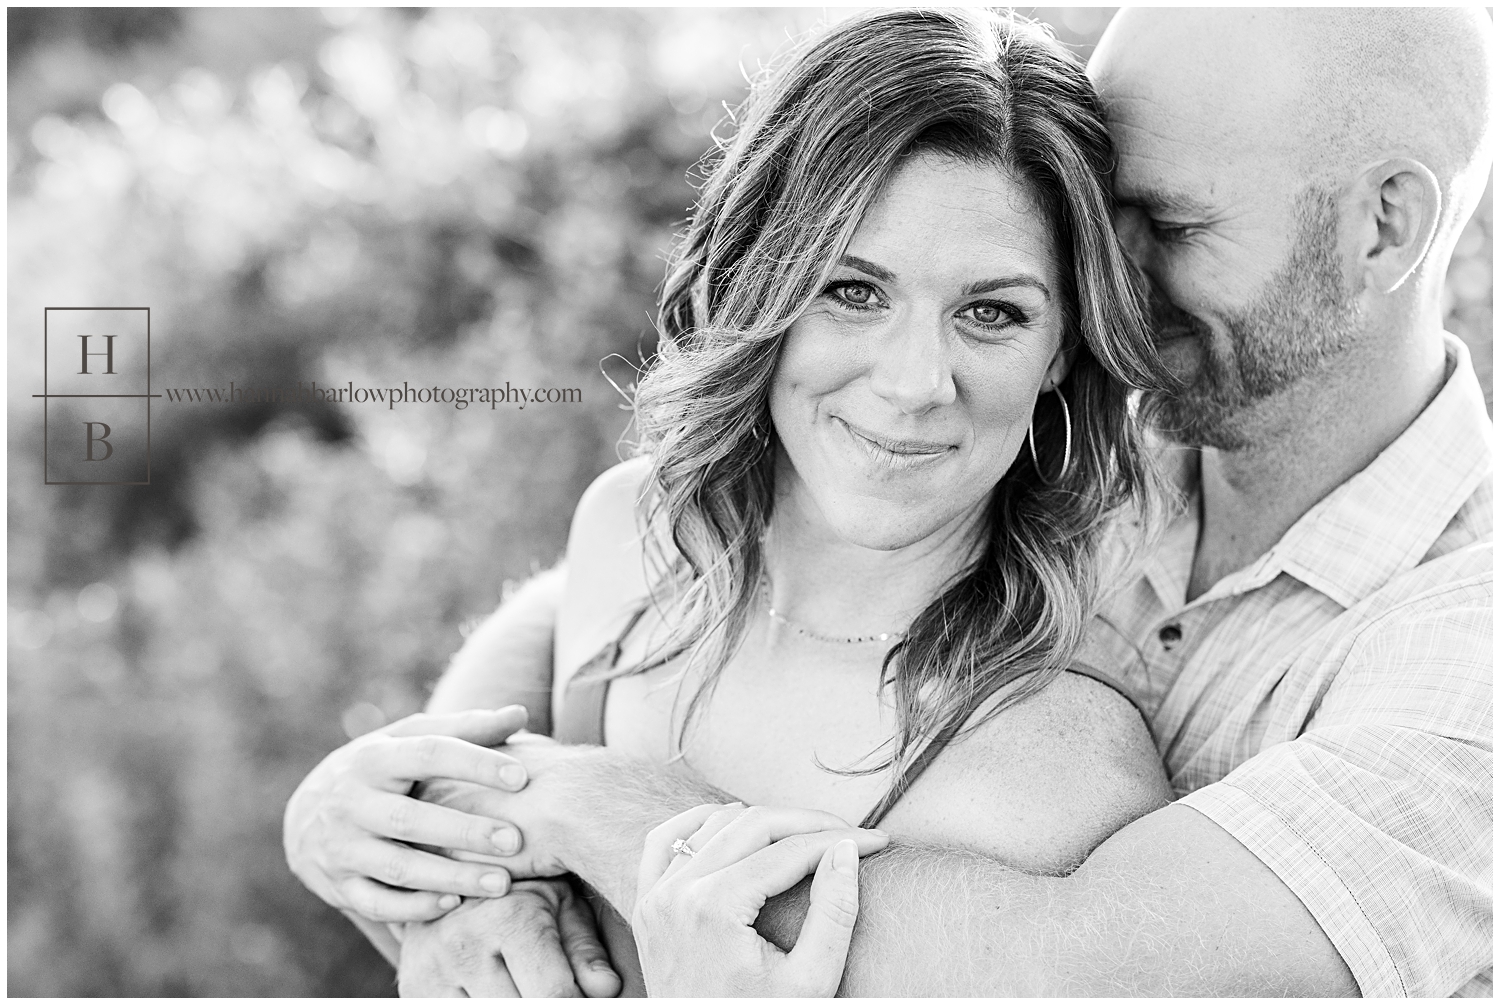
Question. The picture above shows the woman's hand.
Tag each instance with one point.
(349, 826)
(695, 911)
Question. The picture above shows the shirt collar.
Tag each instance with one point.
(1377, 524)
(1381, 522)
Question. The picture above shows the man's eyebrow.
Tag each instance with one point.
(1006, 283)
(1158, 200)
(869, 268)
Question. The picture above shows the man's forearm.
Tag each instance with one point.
(933, 922)
(1170, 905)
(1180, 919)
(614, 802)
(507, 659)
(913, 901)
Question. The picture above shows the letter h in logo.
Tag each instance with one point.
(97, 395)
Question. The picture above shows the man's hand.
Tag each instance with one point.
(349, 827)
(538, 941)
(541, 814)
(706, 874)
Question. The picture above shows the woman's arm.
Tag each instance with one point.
(1042, 783)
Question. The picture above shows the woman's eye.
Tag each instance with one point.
(994, 315)
(987, 315)
(857, 294)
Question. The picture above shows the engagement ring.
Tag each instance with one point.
(681, 847)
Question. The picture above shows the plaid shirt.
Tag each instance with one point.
(1330, 704)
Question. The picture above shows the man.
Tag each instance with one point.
(1312, 640)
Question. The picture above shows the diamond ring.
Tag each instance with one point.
(681, 847)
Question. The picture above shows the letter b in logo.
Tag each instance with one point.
(98, 395)
(98, 437)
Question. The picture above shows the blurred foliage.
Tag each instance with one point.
(449, 197)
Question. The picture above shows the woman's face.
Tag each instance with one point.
(904, 392)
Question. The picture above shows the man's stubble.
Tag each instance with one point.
(1303, 318)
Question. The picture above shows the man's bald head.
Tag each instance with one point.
(1293, 181)
(1328, 89)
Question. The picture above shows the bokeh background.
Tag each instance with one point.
(450, 197)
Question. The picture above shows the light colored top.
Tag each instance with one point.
(1330, 705)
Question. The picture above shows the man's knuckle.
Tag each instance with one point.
(530, 901)
(556, 986)
(466, 949)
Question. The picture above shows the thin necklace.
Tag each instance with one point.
(782, 619)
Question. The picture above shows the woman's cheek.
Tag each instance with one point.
(1001, 399)
(819, 356)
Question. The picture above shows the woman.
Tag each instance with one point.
(881, 445)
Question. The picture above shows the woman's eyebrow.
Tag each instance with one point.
(1009, 282)
(869, 268)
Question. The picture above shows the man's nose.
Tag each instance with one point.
(912, 368)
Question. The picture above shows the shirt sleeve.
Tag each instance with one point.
(1379, 815)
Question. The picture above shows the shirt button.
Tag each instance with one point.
(1170, 636)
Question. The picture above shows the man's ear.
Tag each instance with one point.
(1398, 205)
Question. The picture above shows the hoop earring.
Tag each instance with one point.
(1067, 442)
(761, 436)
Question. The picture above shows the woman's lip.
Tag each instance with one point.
(893, 445)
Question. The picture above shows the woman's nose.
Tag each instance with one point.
(912, 370)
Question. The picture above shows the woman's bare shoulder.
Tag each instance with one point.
(606, 567)
(1043, 782)
(608, 510)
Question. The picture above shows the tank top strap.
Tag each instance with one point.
(945, 736)
(914, 769)
(1114, 684)
(581, 717)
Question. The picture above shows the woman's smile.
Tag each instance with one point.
(887, 453)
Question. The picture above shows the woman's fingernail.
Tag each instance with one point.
(506, 840)
(513, 775)
(845, 854)
(449, 901)
(495, 882)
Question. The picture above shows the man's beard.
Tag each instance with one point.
(1302, 319)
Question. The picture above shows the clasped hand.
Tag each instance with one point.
(350, 827)
(705, 876)
(359, 837)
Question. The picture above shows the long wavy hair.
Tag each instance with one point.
(813, 146)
